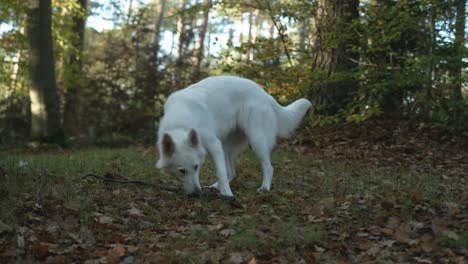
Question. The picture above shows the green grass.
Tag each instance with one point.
(312, 200)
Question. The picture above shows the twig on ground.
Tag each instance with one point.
(121, 179)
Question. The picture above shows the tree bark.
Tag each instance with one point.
(241, 34)
(249, 36)
(16, 65)
(303, 33)
(154, 60)
(432, 48)
(271, 31)
(459, 46)
(73, 79)
(333, 59)
(179, 57)
(154, 75)
(199, 45)
(46, 117)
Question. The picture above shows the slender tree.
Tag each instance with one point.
(199, 45)
(456, 72)
(73, 79)
(17, 63)
(178, 54)
(153, 62)
(46, 118)
(153, 74)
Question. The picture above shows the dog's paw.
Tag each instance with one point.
(213, 186)
(234, 202)
(263, 189)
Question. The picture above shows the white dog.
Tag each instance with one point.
(222, 115)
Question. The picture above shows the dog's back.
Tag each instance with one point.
(224, 103)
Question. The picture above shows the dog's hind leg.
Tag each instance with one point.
(263, 153)
(261, 133)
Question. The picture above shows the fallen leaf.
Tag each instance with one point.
(427, 246)
(252, 261)
(438, 225)
(373, 251)
(134, 211)
(450, 234)
(215, 227)
(387, 243)
(387, 231)
(319, 249)
(103, 219)
(117, 251)
(227, 232)
(415, 196)
(40, 249)
(236, 258)
(362, 234)
(422, 260)
(402, 235)
(59, 180)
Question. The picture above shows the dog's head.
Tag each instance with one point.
(182, 155)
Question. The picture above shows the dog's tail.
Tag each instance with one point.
(290, 117)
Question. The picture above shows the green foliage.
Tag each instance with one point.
(244, 236)
(400, 61)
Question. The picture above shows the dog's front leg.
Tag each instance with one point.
(216, 150)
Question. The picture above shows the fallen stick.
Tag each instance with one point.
(121, 179)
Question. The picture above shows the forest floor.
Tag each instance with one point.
(377, 192)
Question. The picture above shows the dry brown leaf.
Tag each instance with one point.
(40, 249)
(252, 261)
(387, 231)
(117, 251)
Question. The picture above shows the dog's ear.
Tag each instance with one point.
(193, 138)
(168, 146)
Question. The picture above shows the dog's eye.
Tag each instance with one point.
(182, 171)
(195, 167)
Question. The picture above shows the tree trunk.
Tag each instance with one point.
(334, 60)
(249, 36)
(46, 120)
(271, 31)
(432, 48)
(16, 65)
(179, 57)
(73, 79)
(241, 35)
(303, 33)
(154, 61)
(199, 45)
(154, 76)
(456, 72)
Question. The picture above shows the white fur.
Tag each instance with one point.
(227, 114)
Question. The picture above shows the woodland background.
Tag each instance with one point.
(377, 174)
(62, 81)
